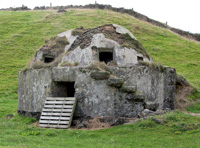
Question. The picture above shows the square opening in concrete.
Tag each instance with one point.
(48, 59)
(63, 89)
(140, 58)
(105, 57)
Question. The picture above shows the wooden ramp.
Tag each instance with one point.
(57, 112)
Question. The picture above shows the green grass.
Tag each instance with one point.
(22, 33)
(177, 130)
(194, 108)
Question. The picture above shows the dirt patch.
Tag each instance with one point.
(79, 31)
(96, 124)
(182, 97)
(194, 114)
(55, 46)
(90, 124)
(183, 89)
(85, 38)
(35, 123)
(102, 123)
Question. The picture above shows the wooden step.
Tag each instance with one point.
(60, 99)
(57, 112)
(58, 106)
(60, 102)
(54, 118)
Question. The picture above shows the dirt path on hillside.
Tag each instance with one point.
(193, 114)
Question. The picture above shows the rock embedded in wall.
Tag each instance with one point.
(99, 75)
(128, 88)
(115, 81)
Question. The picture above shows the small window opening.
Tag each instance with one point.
(105, 57)
(48, 59)
(63, 89)
(140, 58)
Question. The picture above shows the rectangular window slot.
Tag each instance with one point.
(48, 59)
(105, 57)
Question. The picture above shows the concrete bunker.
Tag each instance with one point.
(80, 69)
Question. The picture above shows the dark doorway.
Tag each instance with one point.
(70, 89)
(105, 57)
(48, 59)
(63, 89)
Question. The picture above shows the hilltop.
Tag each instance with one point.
(187, 34)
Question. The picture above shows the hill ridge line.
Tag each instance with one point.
(131, 12)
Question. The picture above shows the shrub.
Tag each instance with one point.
(65, 63)
(39, 65)
(78, 31)
(151, 65)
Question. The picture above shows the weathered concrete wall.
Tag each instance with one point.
(32, 89)
(170, 87)
(122, 56)
(146, 88)
(69, 36)
(96, 98)
(82, 49)
(80, 56)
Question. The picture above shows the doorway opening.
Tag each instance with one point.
(63, 89)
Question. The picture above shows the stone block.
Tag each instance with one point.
(128, 89)
(116, 82)
(145, 113)
(152, 106)
(135, 97)
(99, 75)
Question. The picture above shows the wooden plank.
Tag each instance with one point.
(53, 126)
(66, 102)
(60, 98)
(72, 113)
(57, 110)
(54, 118)
(54, 122)
(58, 106)
(58, 102)
(56, 114)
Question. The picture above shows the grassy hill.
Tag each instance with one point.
(22, 33)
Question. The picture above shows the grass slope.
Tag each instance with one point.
(22, 33)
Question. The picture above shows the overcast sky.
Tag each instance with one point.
(183, 14)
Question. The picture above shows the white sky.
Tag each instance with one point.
(183, 14)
